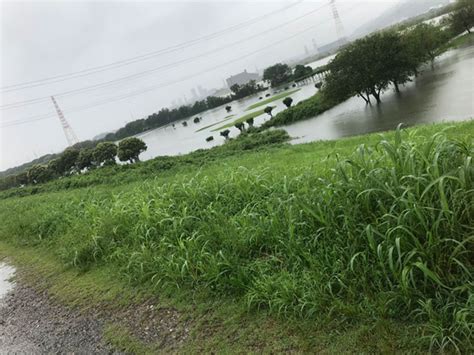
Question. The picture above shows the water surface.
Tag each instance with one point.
(6, 273)
(442, 93)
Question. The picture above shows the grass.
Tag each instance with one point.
(458, 42)
(309, 108)
(270, 233)
(271, 99)
(242, 119)
(216, 123)
(164, 166)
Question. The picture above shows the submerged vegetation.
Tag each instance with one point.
(243, 119)
(280, 236)
(271, 99)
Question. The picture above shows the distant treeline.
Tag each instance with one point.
(161, 118)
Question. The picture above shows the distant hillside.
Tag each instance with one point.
(398, 13)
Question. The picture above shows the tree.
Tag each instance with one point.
(268, 110)
(424, 42)
(277, 74)
(288, 101)
(240, 126)
(39, 174)
(462, 18)
(250, 121)
(365, 68)
(67, 161)
(55, 168)
(130, 149)
(228, 108)
(302, 71)
(225, 134)
(104, 153)
(85, 159)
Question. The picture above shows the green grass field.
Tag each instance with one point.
(363, 243)
(216, 123)
(242, 119)
(271, 99)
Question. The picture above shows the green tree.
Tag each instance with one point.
(240, 126)
(366, 67)
(250, 121)
(39, 174)
(277, 74)
(302, 71)
(462, 18)
(104, 153)
(225, 134)
(55, 167)
(268, 110)
(130, 149)
(85, 159)
(288, 101)
(67, 161)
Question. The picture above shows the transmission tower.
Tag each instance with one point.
(68, 132)
(339, 27)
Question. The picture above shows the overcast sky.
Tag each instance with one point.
(45, 39)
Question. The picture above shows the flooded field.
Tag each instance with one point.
(442, 93)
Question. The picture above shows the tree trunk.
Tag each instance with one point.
(397, 89)
(376, 95)
(363, 97)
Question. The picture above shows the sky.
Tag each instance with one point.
(177, 45)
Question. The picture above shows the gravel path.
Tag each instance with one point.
(31, 323)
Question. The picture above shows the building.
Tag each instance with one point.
(241, 78)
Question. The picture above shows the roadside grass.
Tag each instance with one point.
(215, 123)
(271, 99)
(163, 167)
(270, 233)
(242, 119)
(222, 326)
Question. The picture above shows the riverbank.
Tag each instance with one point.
(241, 256)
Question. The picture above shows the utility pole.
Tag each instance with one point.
(68, 132)
(339, 26)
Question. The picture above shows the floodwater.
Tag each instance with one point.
(6, 273)
(442, 93)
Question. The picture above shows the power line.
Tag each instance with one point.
(152, 70)
(120, 63)
(152, 88)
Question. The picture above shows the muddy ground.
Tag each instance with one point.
(33, 322)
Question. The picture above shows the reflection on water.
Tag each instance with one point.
(6, 273)
(442, 93)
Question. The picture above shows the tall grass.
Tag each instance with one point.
(387, 233)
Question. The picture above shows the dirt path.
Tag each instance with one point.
(31, 323)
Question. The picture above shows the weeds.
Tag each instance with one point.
(386, 234)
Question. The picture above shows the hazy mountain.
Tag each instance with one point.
(399, 12)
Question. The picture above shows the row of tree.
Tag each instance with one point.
(370, 65)
(74, 160)
(281, 73)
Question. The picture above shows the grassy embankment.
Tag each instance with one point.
(327, 246)
(271, 99)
